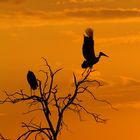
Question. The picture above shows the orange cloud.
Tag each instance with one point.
(102, 13)
(41, 18)
(4, 0)
(18, 1)
(15, 1)
(127, 81)
(128, 105)
(83, 1)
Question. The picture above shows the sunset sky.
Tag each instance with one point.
(31, 29)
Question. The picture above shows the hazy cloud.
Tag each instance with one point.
(129, 82)
(4, 0)
(40, 18)
(102, 13)
(83, 1)
(16, 1)
(12, 1)
(2, 114)
(19, 1)
(130, 39)
(128, 105)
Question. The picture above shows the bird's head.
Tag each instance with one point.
(29, 71)
(103, 54)
(89, 32)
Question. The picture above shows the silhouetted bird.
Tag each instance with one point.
(32, 80)
(88, 50)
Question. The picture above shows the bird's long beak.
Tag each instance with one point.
(103, 54)
(106, 55)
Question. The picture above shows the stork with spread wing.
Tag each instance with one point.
(88, 50)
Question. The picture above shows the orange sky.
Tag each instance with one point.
(30, 29)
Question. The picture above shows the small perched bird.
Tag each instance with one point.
(88, 50)
(32, 80)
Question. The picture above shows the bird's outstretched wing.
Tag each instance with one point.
(88, 48)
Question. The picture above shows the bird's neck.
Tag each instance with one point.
(99, 55)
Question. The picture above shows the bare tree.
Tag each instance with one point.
(46, 98)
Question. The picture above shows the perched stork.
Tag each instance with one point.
(31, 78)
(88, 50)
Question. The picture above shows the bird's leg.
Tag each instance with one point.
(31, 91)
(89, 70)
(84, 72)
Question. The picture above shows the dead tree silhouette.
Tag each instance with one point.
(49, 100)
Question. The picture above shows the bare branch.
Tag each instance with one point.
(46, 80)
(33, 128)
(34, 110)
(96, 116)
(100, 100)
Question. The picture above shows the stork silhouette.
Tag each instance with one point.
(88, 50)
(31, 78)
